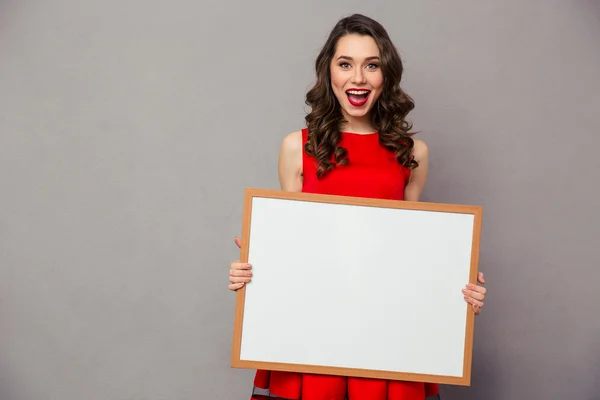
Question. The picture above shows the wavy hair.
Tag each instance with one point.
(388, 113)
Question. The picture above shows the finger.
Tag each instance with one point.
(481, 279)
(238, 242)
(240, 265)
(239, 279)
(476, 308)
(476, 288)
(239, 272)
(474, 302)
(235, 286)
(473, 294)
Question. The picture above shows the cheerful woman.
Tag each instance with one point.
(356, 143)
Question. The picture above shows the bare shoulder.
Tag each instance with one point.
(420, 150)
(418, 177)
(290, 162)
(292, 143)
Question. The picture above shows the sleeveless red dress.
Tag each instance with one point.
(372, 172)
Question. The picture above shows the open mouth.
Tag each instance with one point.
(358, 97)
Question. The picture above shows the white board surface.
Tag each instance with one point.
(352, 286)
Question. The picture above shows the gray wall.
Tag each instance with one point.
(128, 131)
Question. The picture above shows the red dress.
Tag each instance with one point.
(372, 172)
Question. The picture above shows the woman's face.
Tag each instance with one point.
(356, 76)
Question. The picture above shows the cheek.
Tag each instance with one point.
(337, 80)
(377, 81)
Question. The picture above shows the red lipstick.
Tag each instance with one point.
(358, 97)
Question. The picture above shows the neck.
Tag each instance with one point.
(358, 124)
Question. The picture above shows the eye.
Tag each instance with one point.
(344, 65)
(373, 66)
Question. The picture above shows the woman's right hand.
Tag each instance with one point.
(239, 272)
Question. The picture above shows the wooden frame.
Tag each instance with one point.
(259, 325)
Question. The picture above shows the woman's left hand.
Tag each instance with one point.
(475, 294)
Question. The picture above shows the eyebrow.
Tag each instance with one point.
(351, 59)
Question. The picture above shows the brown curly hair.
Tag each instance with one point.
(388, 113)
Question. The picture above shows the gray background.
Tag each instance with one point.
(128, 131)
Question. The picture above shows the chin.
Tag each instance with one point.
(357, 112)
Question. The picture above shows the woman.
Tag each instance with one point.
(357, 143)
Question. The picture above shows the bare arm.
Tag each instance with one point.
(473, 294)
(290, 163)
(290, 179)
(418, 176)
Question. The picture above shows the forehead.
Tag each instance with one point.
(357, 46)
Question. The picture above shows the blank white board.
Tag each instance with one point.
(357, 287)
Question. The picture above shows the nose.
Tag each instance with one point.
(358, 76)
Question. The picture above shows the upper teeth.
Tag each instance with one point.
(358, 91)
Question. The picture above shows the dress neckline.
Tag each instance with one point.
(359, 134)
